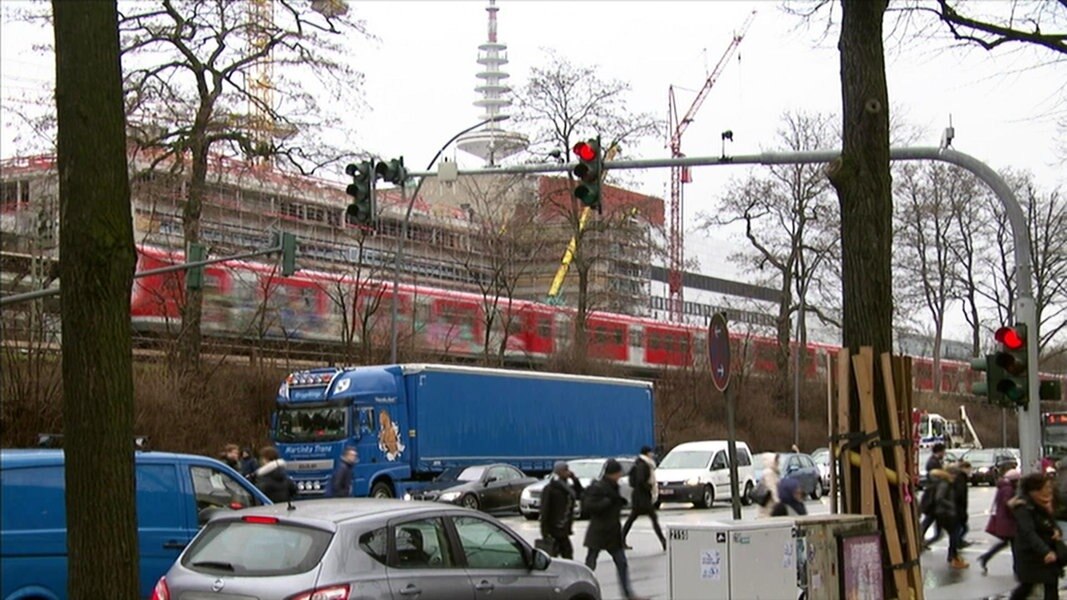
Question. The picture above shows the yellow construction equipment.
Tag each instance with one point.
(568, 255)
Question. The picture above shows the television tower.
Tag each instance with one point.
(492, 143)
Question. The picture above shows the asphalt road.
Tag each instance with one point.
(648, 563)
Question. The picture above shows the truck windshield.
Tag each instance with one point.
(462, 474)
(1056, 437)
(321, 424)
(693, 459)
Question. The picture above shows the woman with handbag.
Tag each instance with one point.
(1001, 520)
(1039, 551)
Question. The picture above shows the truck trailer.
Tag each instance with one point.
(410, 422)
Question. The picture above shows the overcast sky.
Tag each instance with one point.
(420, 79)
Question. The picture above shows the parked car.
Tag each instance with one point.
(698, 472)
(370, 548)
(988, 465)
(587, 470)
(823, 460)
(176, 494)
(490, 488)
(798, 466)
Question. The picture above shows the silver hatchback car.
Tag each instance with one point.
(349, 549)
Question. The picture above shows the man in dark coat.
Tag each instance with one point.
(645, 493)
(340, 484)
(944, 510)
(604, 504)
(272, 479)
(557, 510)
(935, 462)
(961, 487)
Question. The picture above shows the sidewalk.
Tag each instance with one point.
(944, 583)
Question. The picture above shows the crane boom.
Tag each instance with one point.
(680, 175)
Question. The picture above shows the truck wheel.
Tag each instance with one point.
(746, 498)
(381, 490)
(817, 492)
(707, 498)
(470, 501)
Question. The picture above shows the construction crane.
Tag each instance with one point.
(680, 175)
(568, 255)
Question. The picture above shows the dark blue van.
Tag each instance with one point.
(176, 493)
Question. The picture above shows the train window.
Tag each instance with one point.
(685, 344)
(653, 340)
(544, 327)
(514, 326)
(618, 337)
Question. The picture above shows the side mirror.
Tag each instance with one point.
(489, 480)
(541, 561)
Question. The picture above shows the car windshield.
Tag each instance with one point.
(237, 548)
(586, 469)
(979, 457)
(686, 459)
(462, 474)
(321, 424)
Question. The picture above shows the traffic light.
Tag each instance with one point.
(1010, 358)
(392, 171)
(194, 276)
(588, 171)
(288, 243)
(362, 209)
(987, 385)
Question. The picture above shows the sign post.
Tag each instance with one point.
(719, 355)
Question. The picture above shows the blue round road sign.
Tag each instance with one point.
(719, 351)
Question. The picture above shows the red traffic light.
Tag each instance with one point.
(584, 151)
(1010, 337)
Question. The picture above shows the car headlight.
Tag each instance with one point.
(449, 496)
(526, 494)
(693, 481)
(407, 497)
(983, 469)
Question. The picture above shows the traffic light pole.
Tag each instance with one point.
(1025, 307)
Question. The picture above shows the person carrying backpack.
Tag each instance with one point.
(645, 494)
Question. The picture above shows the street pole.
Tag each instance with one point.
(796, 373)
(1025, 308)
(393, 332)
(731, 451)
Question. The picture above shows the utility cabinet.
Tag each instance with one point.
(753, 560)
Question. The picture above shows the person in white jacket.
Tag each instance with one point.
(771, 478)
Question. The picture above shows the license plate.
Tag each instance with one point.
(666, 492)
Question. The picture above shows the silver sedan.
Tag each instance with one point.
(368, 549)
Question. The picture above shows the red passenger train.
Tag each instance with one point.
(308, 307)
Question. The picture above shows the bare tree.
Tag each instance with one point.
(96, 242)
(791, 225)
(563, 103)
(356, 295)
(497, 252)
(198, 82)
(930, 199)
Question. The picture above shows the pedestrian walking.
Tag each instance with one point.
(790, 499)
(767, 490)
(1038, 547)
(961, 485)
(558, 501)
(271, 477)
(340, 483)
(604, 504)
(935, 462)
(645, 494)
(943, 511)
(1001, 520)
(231, 455)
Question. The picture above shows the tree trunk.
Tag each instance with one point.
(581, 338)
(190, 338)
(98, 260)
(864, 189)
(938, 342)
(781, 357)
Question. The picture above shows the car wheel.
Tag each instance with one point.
(746, 498)
(531, 516)
(707, 498)
(381, 490)
(470, 501)
(817, 492)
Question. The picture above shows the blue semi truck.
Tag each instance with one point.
(411, 422)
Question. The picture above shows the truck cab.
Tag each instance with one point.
(321, 412)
